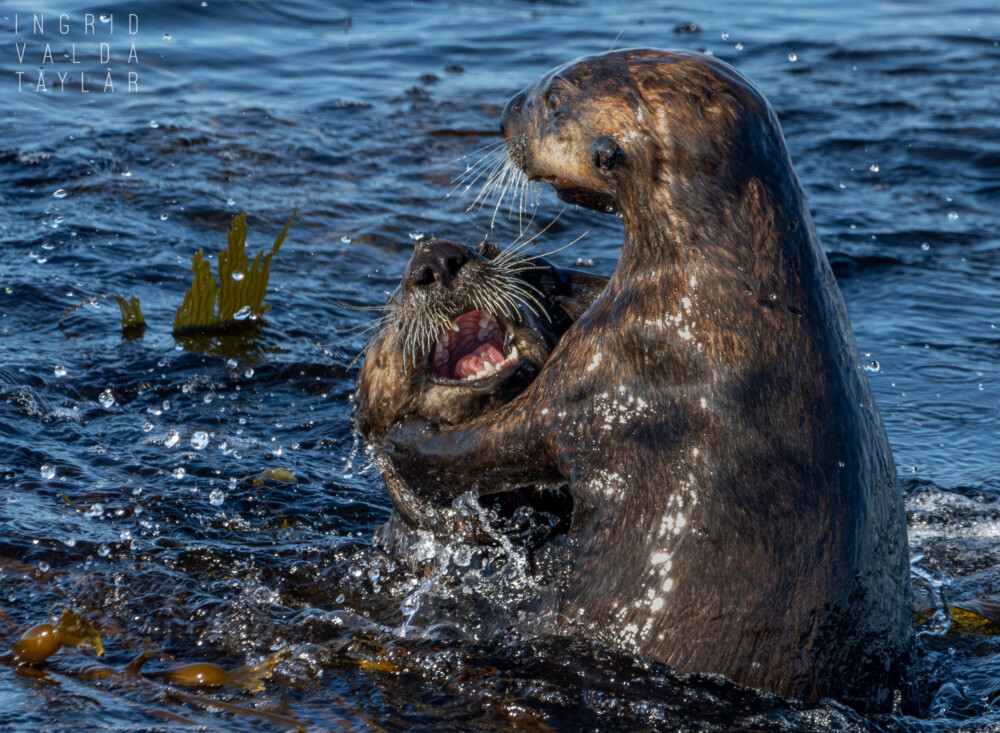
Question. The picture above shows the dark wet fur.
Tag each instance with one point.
(789, 572)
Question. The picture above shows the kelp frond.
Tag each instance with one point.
(133, 321)
(237, 296)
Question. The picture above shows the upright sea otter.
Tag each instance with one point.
(736, 501)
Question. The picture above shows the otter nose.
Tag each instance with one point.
(433, 263)
(513, 108)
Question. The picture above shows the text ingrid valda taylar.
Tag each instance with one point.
(82, 52)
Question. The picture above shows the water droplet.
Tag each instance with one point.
(166, 36)
(126, 174)
(248, 373)
(70, 542)
(48, 471)
(242, 314)
(725, 36)
(238, 275)
(463, 556)
(345, 239)
(925, 247)
(981, 388)
(60, 193)
(873, 167)
(840, 463)
(179, 472)
(410, 604)
(154, 124)
(163, 217)
(872, 366)
(952, 215)
(340, 599)
(60, 370)
(173, 438)
(230, 201)
(792, 57)
(232, 363)
(44, 566)
(416, 236)
(217, 497)
(843, 185)
(103, 550)
(95, 511)
(147, 426)
(739, 47)
(107, 399)
(105, 17)
(199, 440)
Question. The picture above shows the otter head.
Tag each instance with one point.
(633, 129)
(466, 331)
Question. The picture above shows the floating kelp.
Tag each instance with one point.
(43, 640)
(970, 617)
(234, 300)
(281, 475)
(133, 322)
(237, 296)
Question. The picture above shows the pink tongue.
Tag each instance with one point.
(474, 362)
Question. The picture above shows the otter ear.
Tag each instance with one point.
(607, 154)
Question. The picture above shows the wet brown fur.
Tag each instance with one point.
(736, 500)
(394, 386)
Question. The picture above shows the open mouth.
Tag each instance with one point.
(472, 349)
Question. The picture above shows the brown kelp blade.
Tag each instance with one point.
(236, 297)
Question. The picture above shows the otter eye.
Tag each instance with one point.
(553, 101)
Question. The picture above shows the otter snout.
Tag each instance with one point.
(436, 263)
(513, 108)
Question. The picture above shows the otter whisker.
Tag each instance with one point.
(499, 183)
(512, 173)
(367, 325)
(484, 162)
(525, 185)
(496, 172)
(352, 336)
(527, 297)
(491, 146)
(518, 246)
(350, 306)
(553, 251)
(485, 167)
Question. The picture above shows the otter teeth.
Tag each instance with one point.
(488, 327)
(489, 370)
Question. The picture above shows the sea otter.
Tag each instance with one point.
(466, 331)
(735, 498)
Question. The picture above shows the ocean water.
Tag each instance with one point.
(130, 469)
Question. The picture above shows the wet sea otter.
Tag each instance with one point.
(466, 331)
(736, 500)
